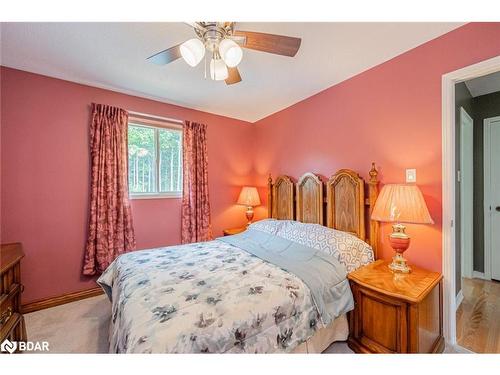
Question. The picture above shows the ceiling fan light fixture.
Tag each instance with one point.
(192, 51)
(230, 52)
(218, 70)
(225, 44)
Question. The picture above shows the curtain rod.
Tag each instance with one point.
(156, 117)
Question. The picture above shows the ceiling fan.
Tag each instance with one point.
(224, 44)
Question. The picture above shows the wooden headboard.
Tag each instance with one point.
(344, 207)
(310, 199)
(282, 205)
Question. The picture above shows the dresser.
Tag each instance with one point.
(12, 325)
(396, 312)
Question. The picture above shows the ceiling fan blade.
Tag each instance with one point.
(271, 43)
(233, 76)
(167, 56)
(240, 39)
(195, 25)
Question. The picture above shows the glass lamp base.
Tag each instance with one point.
(399, 264)
(249, 214)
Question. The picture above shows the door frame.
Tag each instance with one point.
(448, 82)
(466, 251)
(487, 194)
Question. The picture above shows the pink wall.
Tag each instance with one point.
(45, 176)
(390, 114)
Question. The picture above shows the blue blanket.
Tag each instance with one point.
(323, 274)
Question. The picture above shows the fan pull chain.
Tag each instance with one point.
(205, 66)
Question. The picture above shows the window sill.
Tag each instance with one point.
(156, 196)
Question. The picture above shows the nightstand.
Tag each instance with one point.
(395, 312)
(230, 232)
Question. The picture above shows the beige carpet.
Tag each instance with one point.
(78, 327)
(82, 327)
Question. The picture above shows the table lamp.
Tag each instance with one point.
(249, 197)
(400, 203)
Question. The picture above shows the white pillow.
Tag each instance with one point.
(347, 248)
(267, 225)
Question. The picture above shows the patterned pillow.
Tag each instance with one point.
(347, 248)
(267, 225)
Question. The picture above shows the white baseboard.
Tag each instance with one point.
(459, 299)
(478, 275)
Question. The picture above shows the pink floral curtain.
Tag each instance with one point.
(110, 231)
(195, 222)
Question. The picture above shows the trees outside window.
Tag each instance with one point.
(155, 161)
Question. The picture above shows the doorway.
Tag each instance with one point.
(454, 255)
(477, 145)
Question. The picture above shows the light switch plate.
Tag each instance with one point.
(411, 175)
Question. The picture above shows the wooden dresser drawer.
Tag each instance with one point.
(12, 325)
(8, 303)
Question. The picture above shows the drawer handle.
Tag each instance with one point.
(5, 315)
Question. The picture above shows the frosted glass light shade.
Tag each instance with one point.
(401, 203)
(192, 51)
(249, 196)
(218, 70)
(230, 52)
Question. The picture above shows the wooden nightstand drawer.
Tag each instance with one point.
(395, 313)
(381, 322)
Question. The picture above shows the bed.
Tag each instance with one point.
(278, 287)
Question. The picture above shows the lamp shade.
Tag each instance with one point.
(401, 203)
(218, 69)
(230, 52)
(192, 51)
(249, 196)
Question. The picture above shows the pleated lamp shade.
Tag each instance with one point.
(401, 203)
(249, 197)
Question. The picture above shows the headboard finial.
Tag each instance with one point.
(372, 198)
(270, 196)
(373, 174)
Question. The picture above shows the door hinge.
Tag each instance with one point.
(451, 223)
(459, 176)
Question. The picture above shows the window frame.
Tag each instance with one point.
(155, 125)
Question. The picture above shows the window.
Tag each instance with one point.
(154, 160)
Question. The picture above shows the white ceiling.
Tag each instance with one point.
(484, 85)
(112, 56)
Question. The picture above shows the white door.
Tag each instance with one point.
(492, 194)
(466, 190)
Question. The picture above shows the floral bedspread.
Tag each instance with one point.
(206, 297)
